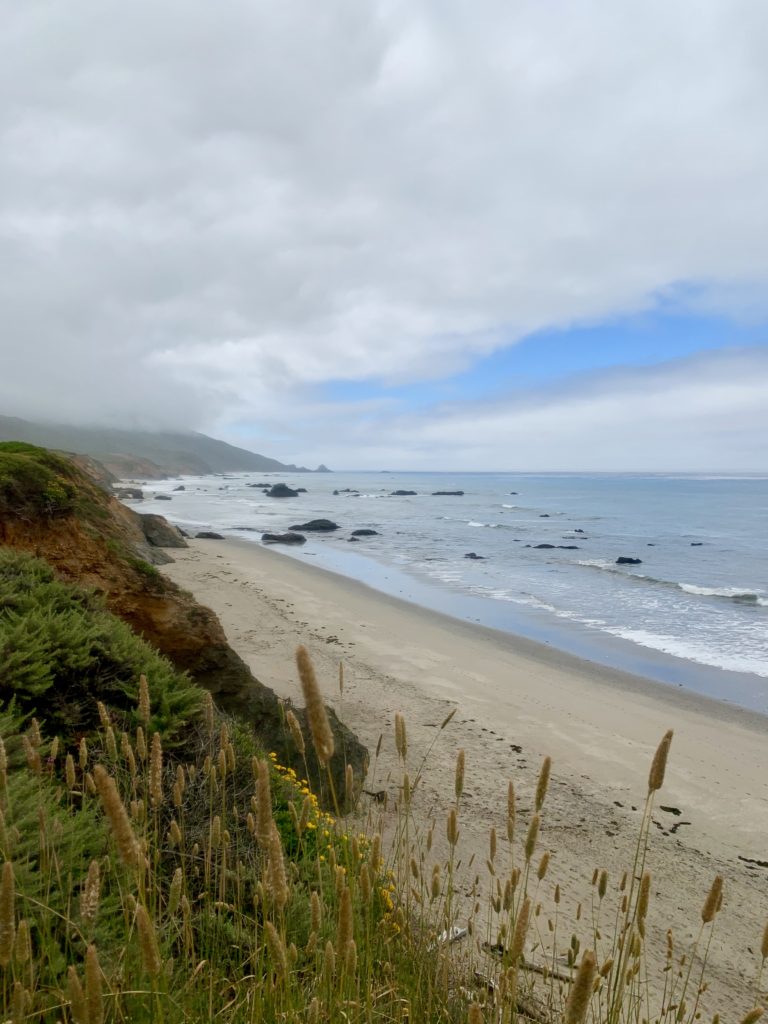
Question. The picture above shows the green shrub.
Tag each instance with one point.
(35, 482)
(61, 651)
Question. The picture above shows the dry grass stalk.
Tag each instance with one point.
(350, 958)
(329, 961)
(517, 946)
(22, 950)
(452, 827)
(174, 893)
(156, 771)
(76, 996)
(316, 913)
(90, 894)
(141, 743)
(115, 811)
(532, 837)
(296, 733)
(753, 1016)
(475, 1015)
(317, 716)
(3, 765)
(510, 812)
(94, 995)
(581, 992)
(543, 783)
(713, 900)
(69, 772)
(277, 950)
(144, 709)
(349, 783)
(459, 780)
(659, 763)
(401, 737)
(150, 951)
(7, 914)
(344, 927)
(262, 805)
(278, 883)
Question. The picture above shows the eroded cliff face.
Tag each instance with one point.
(90, 538)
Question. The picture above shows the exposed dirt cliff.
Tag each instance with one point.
(52, 508)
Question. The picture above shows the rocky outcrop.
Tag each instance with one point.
(401, 494)
(281, 491)
(448, 494)
(624, 560)
(365, 533)
(475, 557)
(208, 535)
(160, 533)
(131, 493)
(283, 538)
(317, 526)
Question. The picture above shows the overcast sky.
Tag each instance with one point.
(499, 234)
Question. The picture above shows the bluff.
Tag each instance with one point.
(52, 508)
(150, 454)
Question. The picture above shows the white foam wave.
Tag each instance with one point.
(734, 593)
(679, 648)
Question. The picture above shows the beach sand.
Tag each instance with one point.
(516, 702)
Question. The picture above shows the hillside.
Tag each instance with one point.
(134, 453)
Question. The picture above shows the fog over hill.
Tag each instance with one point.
(144, 453)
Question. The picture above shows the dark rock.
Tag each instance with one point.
(336, 493)
(623, 560)
(474, 557)
(281, 491)
(543, 545)
(365, 533)
(208, 535)
(266, 486)
(182, 532)
(514, 493)
(317, 526)
(437, 494)
(181, 487)
(568, 547)
(578, 531)
(697, 543)
(160, 533)
(401, 494)
(283, 538)
(163, 497)
(129, 492)
(301, 490)
(353, 540)
(544, 515)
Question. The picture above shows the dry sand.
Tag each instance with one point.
(516, 702)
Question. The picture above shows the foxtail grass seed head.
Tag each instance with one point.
(277, 950)
(141, 743)
(764, 943)
(532, 837)
(753, 1016)
(69, 772)
(401, 737)
(459, 780)
(475, 1015)
(296, 733)
(278, 883)
(436, 885)
(174, 893)
(22, 950)
(642, 902)
(543, 866)
(76, 997)
(713, 900)
(452, 827)
(329, 961)
(344, 929)
(156, 771)
(448, 717)
(510, 812)
(144, 708)
(317, 716)
(659, 763)
(35, 736)
(406, 788)
(103, 715)
(94, 995)
(341, 678)
(581, 991)
(90, 894)
(492, 844)
(517, 946)
(115, 811)
(602, 884)
(3, 764)
(110, 743)
(263, 805)
(7, 914)
(316, 912)
(543, 783)
(33, 757)
(349, 783)
(350, 959)
(150, 952)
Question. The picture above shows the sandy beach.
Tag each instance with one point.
(517, 701)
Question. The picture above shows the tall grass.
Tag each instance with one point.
(137, 886)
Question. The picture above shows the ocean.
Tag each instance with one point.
(692, 613)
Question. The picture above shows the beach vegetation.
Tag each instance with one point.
(159, 865)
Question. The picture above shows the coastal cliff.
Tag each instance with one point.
(57, 509)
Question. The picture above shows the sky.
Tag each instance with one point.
(426, 234)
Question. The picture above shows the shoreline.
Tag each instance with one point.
(517, 701)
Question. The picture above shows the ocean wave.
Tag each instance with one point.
(737, 594)
(680, 648)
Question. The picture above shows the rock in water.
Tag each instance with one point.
(281, 491)
(163, 497)
(624, 560)
(365, 533)
(283, 538)
(401, 494)
(317, 526)
(437, 494)
(474, 557)
(208, 535)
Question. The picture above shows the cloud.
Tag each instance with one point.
(207, 212)
(703, 413)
